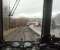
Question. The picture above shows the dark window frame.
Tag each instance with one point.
(46, 21)
(1, 21)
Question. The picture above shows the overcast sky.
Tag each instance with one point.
(32, 8)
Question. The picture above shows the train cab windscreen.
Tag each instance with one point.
(22, 19)
(31, 24)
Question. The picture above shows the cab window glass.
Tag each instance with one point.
(55, 20)
(22, 19)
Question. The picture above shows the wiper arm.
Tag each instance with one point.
(14, 8)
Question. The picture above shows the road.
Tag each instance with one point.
(36, 29)
(27, 34)
(55, 31)
(24, 33)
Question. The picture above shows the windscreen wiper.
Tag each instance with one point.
(14, 7)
